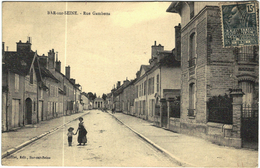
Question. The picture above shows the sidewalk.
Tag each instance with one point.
(188, 150)
(12, 139)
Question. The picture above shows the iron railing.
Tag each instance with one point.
(246, 57)
(220, 115)
(175, 109)
(250, 111)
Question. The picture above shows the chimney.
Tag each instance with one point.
(58, 63)
(23, 47)
(72, 80)
(43, 61)
(178, 42)
(51, 59)
(58, 66)
(118, 84)
(155, 49)
(67, 72)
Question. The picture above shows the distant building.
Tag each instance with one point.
(98, 103)
(85, 101)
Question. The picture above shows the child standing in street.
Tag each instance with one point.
(70, 134)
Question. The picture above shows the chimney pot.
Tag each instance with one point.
(67, 72)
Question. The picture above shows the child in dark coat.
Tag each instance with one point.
(70, 134)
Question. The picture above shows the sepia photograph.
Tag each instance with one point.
(130, 84)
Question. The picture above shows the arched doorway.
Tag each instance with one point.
(28, 103)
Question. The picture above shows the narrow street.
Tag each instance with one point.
(109, 144)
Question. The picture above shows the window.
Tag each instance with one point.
(157, 83)
(143, 110)
(246, 54)
(191, 99)
(192, 50)
(31, 76)
(65, 89)
(248, 90)
(41, 92)
(136, 91)
(16, 82)
(145, 87)
(152, 85)
(142, 89)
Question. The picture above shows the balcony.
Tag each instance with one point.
(246, 57)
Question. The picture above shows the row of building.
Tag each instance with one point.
(199, 88)
(34, 88)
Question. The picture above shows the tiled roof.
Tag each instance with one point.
(146, 67)
(19, 63)
(46, 73)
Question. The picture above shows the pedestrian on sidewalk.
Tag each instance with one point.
(82, 137)
(113, 110)
(70, 134)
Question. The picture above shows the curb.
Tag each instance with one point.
(11, 151)
(168, 154)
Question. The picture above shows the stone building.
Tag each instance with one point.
(209, 71)
(85, 101)
(19, 85)
(129, 97)
(159, 79)
(34, 89)
(98, 103)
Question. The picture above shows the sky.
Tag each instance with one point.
(100, 49)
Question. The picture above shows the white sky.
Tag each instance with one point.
(100, 50)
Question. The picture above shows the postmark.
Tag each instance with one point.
(239, 24)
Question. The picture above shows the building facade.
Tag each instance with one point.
(160, 79)
(209, 71)
(19, 85)
(99, 103)
(34, 89)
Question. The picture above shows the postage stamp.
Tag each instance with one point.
(239, 23)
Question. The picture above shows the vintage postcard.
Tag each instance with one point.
(130, 84)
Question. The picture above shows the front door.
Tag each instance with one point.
(164, 116)
(15, 113)
(28, 103)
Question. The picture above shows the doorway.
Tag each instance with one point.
(28, 103)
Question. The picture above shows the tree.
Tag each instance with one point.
(91, 96)
(104, 97)
(94, 96)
